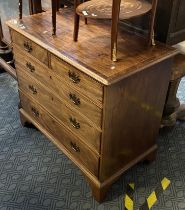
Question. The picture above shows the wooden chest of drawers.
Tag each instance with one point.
(104, 116)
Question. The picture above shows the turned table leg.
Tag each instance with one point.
(114, 28)
(35, 6)
(5, 51)
(1, 32)
(1, 44)
(173, 110)
(54, 10)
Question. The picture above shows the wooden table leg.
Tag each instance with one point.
(20, 9)
(54, 10)
(173, 111)
(6, 56)
(114, 28)
(1, 33)
(76, 21)
(35, 6)
(151, 23)
(1, 44)
(177, 114)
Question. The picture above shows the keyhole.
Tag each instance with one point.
(50, 77)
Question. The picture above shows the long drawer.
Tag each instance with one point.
(84, 105)
(78, 150)
(79, 80)
(73, 120)
(30, 47)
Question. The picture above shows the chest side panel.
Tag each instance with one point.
(132, 115)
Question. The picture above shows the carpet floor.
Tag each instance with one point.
(35, 175)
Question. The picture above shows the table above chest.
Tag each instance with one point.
(91, 53)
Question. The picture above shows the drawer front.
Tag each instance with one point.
(65, 92)
(77, 149)
(77, 79)
(70, 118)
(30, 47)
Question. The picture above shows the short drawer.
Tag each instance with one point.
(30, 47)
(27, 64)
(75, 147)
(72, 119)
(77, 79)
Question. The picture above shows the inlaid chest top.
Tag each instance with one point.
(91, 53)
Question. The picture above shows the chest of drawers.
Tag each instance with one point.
(104, 116)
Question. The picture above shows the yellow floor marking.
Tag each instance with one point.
(165, 183)
(151, 200)
(129, 203)
(131, 185)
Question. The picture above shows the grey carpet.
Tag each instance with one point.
(35, 175)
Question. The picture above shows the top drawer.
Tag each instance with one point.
(30, 47)
(82, 82)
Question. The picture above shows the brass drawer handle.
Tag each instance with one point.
(74, 123)
(35, 111)
(33, 89)
(74, 147)
(74, 77)
(74, 99)
(28, 47)
(30, 66)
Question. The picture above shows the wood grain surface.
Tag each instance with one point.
(91, 54)
(132, 120)
(102, 9)
(68, 117)
(28, 46)
(77, 149)
(86, 85)
(56, 85)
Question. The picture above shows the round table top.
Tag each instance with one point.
(102, 9)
